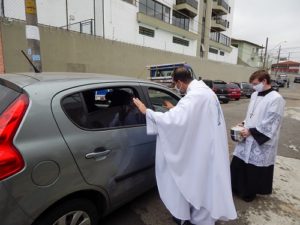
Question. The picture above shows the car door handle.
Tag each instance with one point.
(98, 155)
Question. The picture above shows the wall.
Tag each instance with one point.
(71, 51)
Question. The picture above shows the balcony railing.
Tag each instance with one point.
(220, 38)
(221, 21)
(192, 3)
(223, 4)
(85, 26)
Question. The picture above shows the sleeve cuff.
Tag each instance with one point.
(259, 137)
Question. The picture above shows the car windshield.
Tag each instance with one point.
(232, 86)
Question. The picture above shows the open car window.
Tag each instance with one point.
(159, 97)
(103, 108)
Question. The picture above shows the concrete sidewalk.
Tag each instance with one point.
(280, 208)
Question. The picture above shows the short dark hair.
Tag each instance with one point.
(260, 75)
(183, 74)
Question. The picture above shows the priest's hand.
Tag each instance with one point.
(245, 133)
(167, 104)
(141, 107)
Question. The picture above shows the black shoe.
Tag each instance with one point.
(177, 221)
(249, 198)
(187, 223)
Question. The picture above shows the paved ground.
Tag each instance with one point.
(281, 208)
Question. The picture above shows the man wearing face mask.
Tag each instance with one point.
(192, 162)
(253, 162)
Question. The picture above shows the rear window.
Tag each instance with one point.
(209, 83)
(222, 86)
(233, 86)
(7, 96)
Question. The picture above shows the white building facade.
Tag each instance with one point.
(189, 27)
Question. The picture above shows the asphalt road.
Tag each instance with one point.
(282, 207)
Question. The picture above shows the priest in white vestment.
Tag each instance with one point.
(252, 166)
(192, 160)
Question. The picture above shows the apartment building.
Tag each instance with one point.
(249, 54)
(191, 27)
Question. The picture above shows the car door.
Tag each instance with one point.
(118, 156)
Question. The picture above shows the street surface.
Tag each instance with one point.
(281, 208)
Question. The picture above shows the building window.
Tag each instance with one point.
(130, 1)
(222, 53)
(180, 41)
(212, 50)
(146, 31)
(155, 9)
(180, 20)
(220, 38)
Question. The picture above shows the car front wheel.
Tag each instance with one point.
(72, 212)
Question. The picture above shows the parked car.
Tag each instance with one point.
(67, 153)
(219, 87)
(234, 91)
(297, 79)
(283, 77)
(280, 82)
(246, 89)
(275, 86)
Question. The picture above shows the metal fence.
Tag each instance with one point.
(75, 15)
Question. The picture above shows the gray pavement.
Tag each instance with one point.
(280, 208)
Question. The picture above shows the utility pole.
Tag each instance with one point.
(33, 35)
(266, 50)
(67, 15)
(277, 61)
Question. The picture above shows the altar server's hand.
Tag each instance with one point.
(245, 133)
(139, 105)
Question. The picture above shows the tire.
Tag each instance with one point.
(226, 102)
(81, 211)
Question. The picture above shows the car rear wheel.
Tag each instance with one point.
(73, 212)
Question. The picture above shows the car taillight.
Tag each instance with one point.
(11, 160)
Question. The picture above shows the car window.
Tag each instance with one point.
(233, 86)
(209, 83)
(103, 108)
(221, 86)
(245, 85)
(7, 96)
(158, 97)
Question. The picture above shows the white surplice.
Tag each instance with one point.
(192, 162)
(264, 113)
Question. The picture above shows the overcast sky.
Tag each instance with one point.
(255, 20)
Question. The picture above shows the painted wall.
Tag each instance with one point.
(227, 58)
(119, 21)
(63, 50)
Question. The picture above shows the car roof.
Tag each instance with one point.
(49, 83)
(25, 79)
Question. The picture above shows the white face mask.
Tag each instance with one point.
(259, 87)
(178, 89)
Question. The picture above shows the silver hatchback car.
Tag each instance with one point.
(72, 146)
